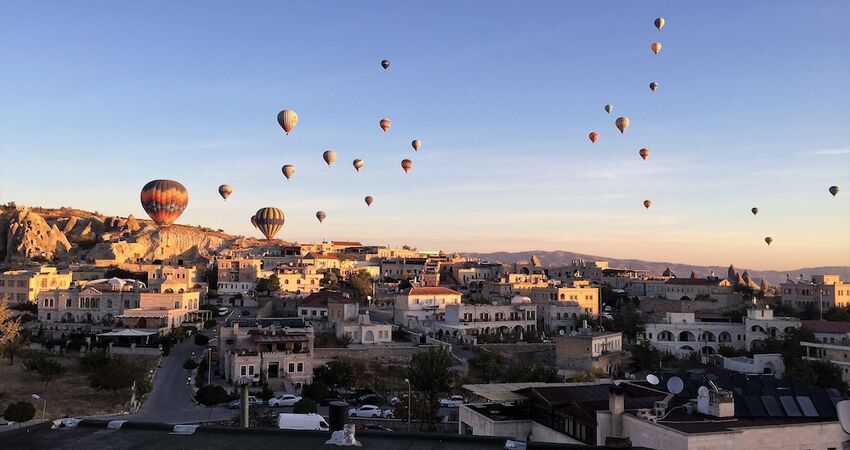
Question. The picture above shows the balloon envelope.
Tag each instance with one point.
(659, 23)
(288, 171)
(321, 216)
(622, 123)
(647, 204)
(653, 86)
(406, 164)
(754, 211)
(225, 190)
(254, 221)
(655, 47)
(164, 200)
(416, 144)
(385, 64)
(644, 153)
(269, 221)
(768, 240)
(369, 200)
(593, 136)
(609, 108)
(287, 120)
(834, 190)
(358, 164)
(329, 156)
(385, 124)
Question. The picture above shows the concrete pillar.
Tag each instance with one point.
(244, 406)
(616, 404)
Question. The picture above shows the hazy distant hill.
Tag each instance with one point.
(557, 258)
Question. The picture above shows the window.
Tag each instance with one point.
(250, 370)
(300, 367)
(243, 370)
(291, 368)
(67, 302)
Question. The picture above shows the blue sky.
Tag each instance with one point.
(97, 98)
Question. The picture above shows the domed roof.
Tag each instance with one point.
(520, 300)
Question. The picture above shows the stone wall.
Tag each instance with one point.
(541, 353)
(389, 354)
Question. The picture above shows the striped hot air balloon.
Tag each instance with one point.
(287, 120)
(269, 221)
(622, 123)
(164, 200)
(254, 221)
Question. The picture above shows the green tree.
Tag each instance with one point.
(10, 333)
(189, 364)
(200, 339)
(336, 374)
(19, 412)
(486, 366)
(431, 374)
(305, 406)
(644, 357)
(629, 321)
(47, 369)
(211, 395)
(525, 371)
(317, 390)
(274, 284)
(118, 374)
(11, 347)
(211, 276)
(361, 282)
(93, 360)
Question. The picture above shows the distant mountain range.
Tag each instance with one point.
(561, 258)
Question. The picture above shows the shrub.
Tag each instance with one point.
(200, 339)
(305, 406)
(316, 390)
(208, 324)
(91, 361)
(47, 369)
(19, 412)
(211, 395)
(190, 365)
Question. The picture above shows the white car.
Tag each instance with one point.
(371, 411)
(252, 401)
(284, 400)
(455, 401)
(223, 310)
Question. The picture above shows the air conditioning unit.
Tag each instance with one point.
(659, 409)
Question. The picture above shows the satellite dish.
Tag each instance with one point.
(675, 385)
(617, 382)
(843, 408)
(653, 380)
(702, 392)
(561, 332)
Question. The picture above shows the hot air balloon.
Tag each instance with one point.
(368, 200)
(416, 144)
(329, 156)
(644, 153)
(386, 64)
(385, 124)
(655, 47)
(659, 23)
(653, 86)
(321, 216)
(622, 123)
(254, 221)
(164, 200)
(768, 240)
(833, 190)
(593, 136)
(287, 120)
(288, 171)
(754, 211)
(269, 221)
(358, 164)
(406, 164)
(225, 190)
(647, 204)
(609, 108)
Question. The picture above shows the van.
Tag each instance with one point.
(312, 421)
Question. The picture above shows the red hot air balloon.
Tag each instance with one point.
(647, 204)
(269, 221)
(369, 200)
(644, 153)
(164, 201)
(385, 124)
(593, 136)
(406, 164)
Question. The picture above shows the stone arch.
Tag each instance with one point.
(757, 329)
(665, 336)
(707, 350)
(687, 348)
(370, 336)
(724, 337)
(687, 336)
(707, 336)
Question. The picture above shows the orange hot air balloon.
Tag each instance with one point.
(659, 23)
(368, 200)
(288, 171)
(655, 47)
(644, 153)
(593, 136)
(287, 120)
(834, 190)
(768, 240)
(385, 124)
(406, 164)
(321, 216)
(647, 204)
(385, 64)
(416, 144)
(653, 86)
(330, 157)
(254, 221)
(225, 190)
(164, 201)
(622, 123)
(358, 164)
(269, 221)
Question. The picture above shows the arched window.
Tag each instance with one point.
(687, 336)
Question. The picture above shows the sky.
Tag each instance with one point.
(99, 97)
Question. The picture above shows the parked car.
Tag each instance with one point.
(252, 401)
(284, 400)
(223, 310)
(399, 399)
(332, 397)
(312, 421)
(455, 401)
(369, 399)
(370, 411)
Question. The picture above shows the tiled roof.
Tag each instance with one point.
(313, 255)
(322, 298)
(348, 243)
(694, 281)
(431, 291)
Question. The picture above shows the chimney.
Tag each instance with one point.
(616, 405)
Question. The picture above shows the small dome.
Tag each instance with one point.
(520, 300)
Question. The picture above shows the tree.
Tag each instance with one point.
(305, 406)
(431, 374)
(486, 366)
(525, 371)
(588, 375)
(118, 374)
(10, 333)
(274, 284)
(200, 339)
(262, 285)
(361, 282)
(190, 364)
(211, 395)
(92, 361)
(47, 369)
(317, 390)
(644, 357)
(336, 374)
(19, 412)
(11, 348)
(629, 321)
(211, 276)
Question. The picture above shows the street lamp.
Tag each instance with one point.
(43, 411)
(409, 403)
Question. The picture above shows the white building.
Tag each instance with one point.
(518, 318)
(419, 308)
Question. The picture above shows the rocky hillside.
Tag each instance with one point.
(64, 235)
(560, 258)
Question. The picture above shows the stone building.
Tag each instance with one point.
(21, 286)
